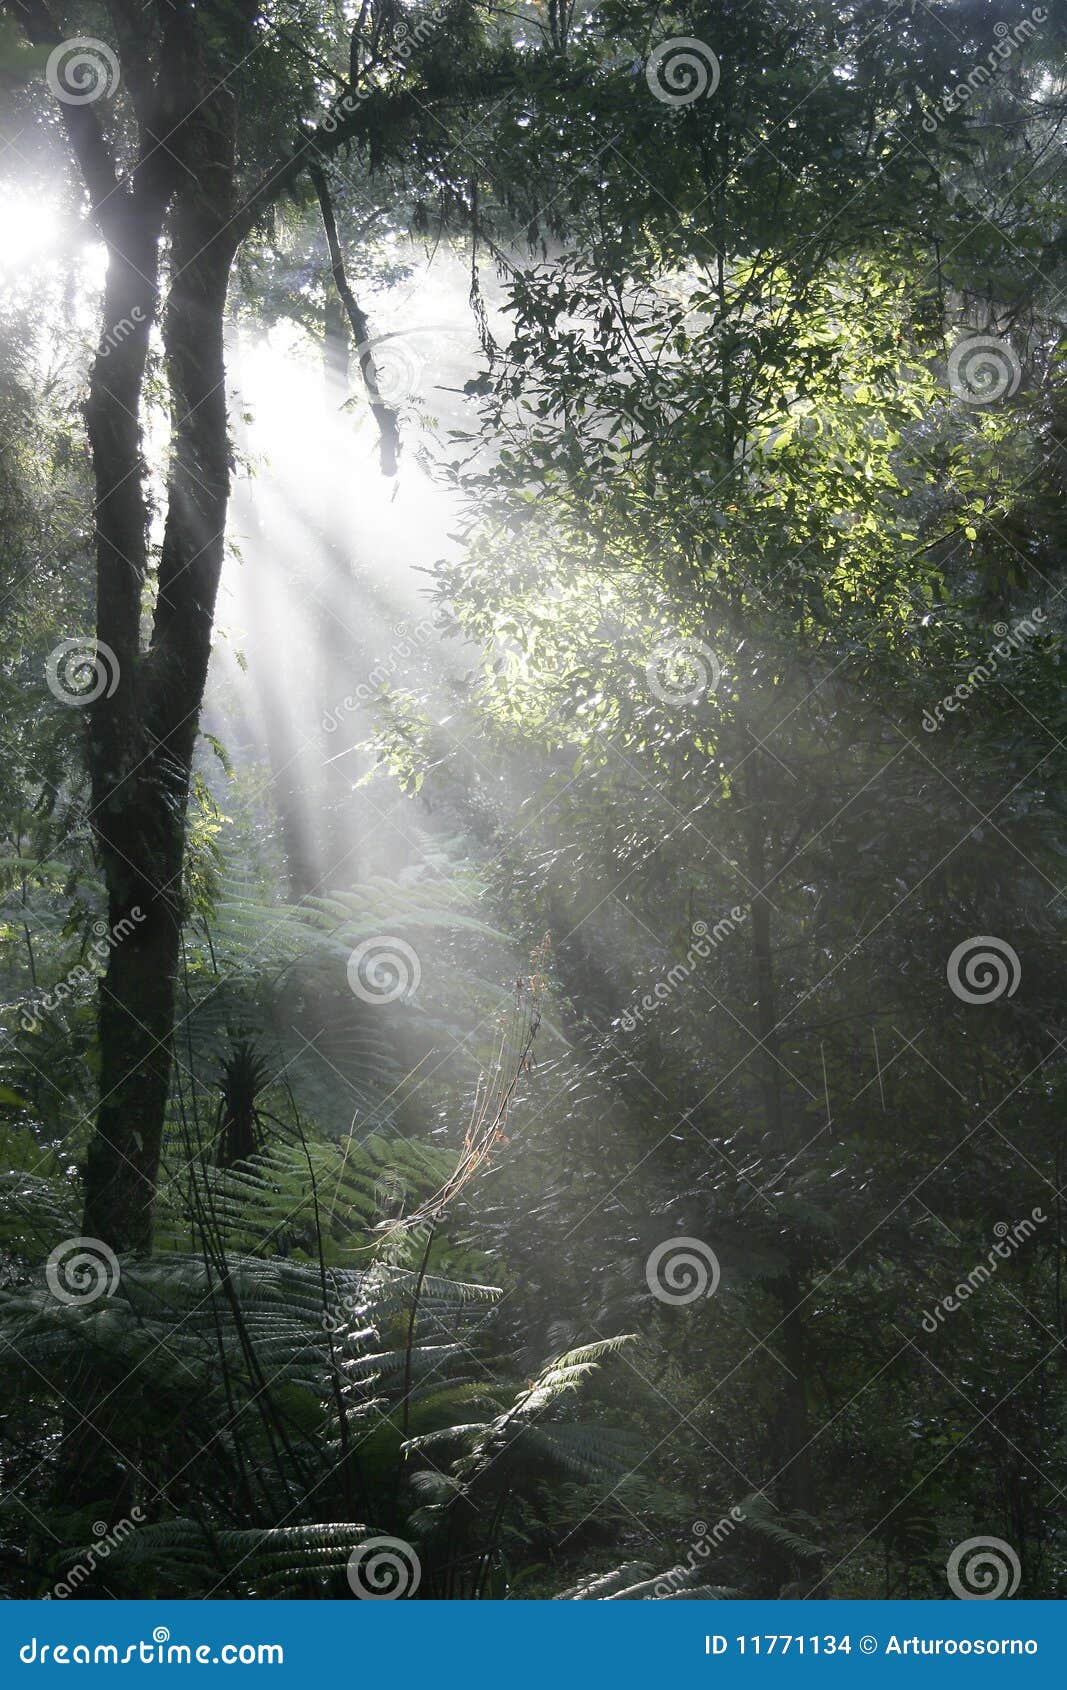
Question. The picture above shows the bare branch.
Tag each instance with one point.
(384, 415)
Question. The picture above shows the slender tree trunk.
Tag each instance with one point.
(796, 1487)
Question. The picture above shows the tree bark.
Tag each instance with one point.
(796, 1483)
(141, 798)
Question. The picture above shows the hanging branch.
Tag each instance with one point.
(492, 1100)
(475, 300)
(387, 419)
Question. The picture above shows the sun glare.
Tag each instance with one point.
(29, 228)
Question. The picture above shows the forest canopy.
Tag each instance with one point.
(531, 945)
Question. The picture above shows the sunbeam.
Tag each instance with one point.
(531, 672)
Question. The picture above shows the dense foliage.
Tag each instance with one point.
(556, 1089)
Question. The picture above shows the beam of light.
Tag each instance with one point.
(324, 596)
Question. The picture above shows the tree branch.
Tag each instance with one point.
(386, 418)
(95, 158)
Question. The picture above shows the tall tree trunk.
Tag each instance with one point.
(141, 797)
